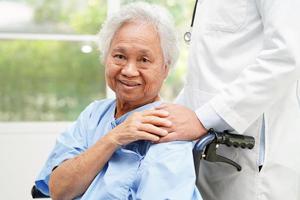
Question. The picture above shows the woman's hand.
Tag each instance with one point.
(146, 125)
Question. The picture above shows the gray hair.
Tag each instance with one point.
(155, 15)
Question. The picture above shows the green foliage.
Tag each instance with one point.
(90, 19)
(47, 80)
(76, 16)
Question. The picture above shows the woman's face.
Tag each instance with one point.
(135, 67)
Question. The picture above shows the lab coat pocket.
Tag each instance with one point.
(226, 15)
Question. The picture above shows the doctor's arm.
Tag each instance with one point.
(274, 69)
(263, 82)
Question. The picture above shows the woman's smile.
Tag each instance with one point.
(129, 84)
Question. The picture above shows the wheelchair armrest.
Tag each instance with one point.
(36, 194)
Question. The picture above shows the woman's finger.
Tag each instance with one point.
(142, 135)
(149, 128)
(157, 121)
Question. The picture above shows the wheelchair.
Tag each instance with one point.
(205, 148)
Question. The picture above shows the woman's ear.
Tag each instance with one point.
(166, 70)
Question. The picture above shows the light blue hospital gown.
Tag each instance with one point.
(140, 170)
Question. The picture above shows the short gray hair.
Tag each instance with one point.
(156, 15)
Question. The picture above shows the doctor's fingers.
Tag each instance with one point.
(154, 130)
(165, 106)
(157, 121)
(157, 113)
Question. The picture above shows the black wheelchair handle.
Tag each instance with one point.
(229, 139)
(235, 140)
(208, 144)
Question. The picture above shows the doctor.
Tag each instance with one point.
(243, 75)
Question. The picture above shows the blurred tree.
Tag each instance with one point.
(84, 17)
(45, 80)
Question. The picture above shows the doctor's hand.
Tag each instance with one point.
(185, 123)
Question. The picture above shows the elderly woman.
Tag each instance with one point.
(111, 151)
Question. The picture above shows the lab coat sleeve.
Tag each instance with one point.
(210, 119)
(275, 68)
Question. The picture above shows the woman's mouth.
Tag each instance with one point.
(129, 84)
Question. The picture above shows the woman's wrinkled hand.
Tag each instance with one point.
(146, 125)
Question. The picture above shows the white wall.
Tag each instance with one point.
(24, 148)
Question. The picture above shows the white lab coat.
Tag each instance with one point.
(244, 63)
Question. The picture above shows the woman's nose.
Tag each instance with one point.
(130, 70)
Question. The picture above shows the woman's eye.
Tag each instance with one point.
(119, 56)
(145, 60)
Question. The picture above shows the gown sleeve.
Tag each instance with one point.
(69, 144)
(168, 172)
